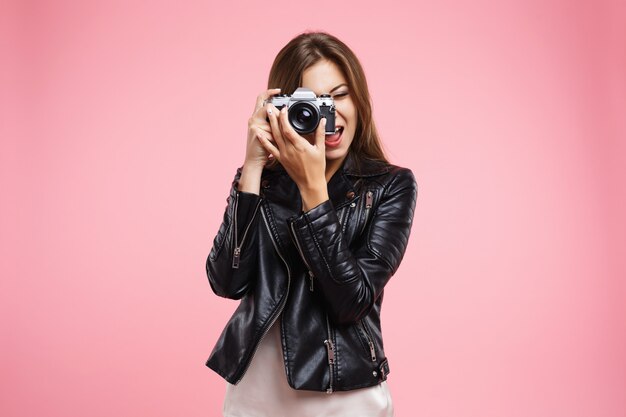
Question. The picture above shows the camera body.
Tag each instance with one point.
(305, 110)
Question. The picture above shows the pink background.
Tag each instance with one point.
(122, 125)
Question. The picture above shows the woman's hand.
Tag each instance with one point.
(258, 128)
(305, 162)
(256, 155)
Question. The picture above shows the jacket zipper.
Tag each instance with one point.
(369, 200)
(237, 251)
(342, 219)
(370, 342)
(282, 304)
(309, 272)
(330, 347)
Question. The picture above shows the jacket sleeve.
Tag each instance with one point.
(351, 279)
(230, 264)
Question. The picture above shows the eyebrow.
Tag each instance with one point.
(340, 85)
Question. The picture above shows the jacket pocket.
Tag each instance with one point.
(366, 337)
(237, 240)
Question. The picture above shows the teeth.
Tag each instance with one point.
(337, 129)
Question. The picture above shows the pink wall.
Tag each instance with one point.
(123, 122)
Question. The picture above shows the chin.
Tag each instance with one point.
(336, 154)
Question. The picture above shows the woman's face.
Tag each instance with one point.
(325, 77)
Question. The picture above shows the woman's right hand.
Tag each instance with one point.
(259, 126)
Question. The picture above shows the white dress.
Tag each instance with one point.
(264, 391)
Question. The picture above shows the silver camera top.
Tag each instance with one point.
(303, 93)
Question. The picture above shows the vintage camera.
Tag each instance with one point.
(305, 110)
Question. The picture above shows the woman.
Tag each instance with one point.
(314, 228)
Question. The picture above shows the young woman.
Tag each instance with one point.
(314, 228)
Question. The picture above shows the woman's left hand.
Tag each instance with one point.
(305, 162)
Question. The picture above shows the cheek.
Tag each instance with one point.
(347, 112)
(351, 114)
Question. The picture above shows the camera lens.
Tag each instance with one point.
(304, 117)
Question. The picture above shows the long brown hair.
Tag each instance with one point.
(307, 49)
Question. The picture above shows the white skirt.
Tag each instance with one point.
(264, 391)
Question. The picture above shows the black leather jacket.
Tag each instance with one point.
(322, 272)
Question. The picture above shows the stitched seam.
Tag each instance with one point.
(317, 245)
(371, 249)
(356, 330)
(286, 353)
(270, 215)
(257, 334)
(221, 242)
(379, 256)
(344, 217)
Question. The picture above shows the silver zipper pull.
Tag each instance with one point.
(369, 199)
(372, 351)
(370, 342)
(331, 351)
(331, 363)
(311, 279)
(236, 256)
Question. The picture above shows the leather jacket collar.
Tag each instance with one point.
(341, 188)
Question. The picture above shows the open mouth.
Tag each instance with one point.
(334, 139)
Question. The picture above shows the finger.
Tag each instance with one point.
(269, 147)
(262, 132)
(320, 134)
(261, 118)
(276, 132)
(265, 127)
(288, 131)
(261, 98)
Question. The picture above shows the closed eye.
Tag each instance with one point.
(340, 95)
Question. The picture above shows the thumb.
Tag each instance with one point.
(320, 134)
